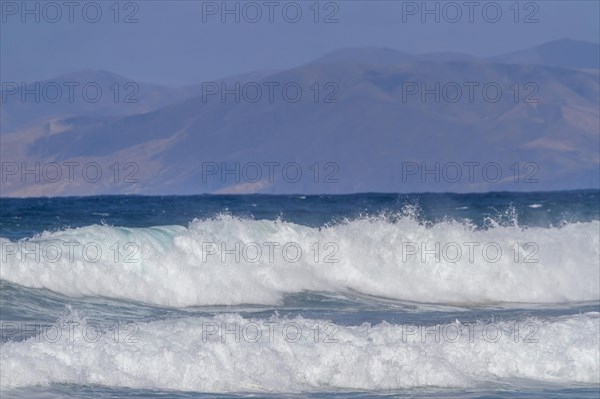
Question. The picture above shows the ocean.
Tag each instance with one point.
(358, 296)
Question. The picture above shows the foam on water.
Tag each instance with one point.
(172, 267)
(182, 355)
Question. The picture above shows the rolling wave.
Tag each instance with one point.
(227, 260)
(227, 353)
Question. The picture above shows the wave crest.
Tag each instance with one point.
(190, 266)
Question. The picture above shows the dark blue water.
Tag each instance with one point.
(24, 217)
(36, 297)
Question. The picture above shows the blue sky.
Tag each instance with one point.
(184, 42)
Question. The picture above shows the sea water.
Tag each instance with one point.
(370, 295)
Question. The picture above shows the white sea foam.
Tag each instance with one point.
(180, 355)
(173, 268)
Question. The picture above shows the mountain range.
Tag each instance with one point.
(367, 120)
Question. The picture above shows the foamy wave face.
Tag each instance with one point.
(234, 261)
(208, 355)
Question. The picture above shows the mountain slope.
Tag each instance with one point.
(564, 53)
(542, 134)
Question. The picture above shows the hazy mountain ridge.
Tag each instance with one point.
(89, 93)
(565, 53)
(374, 127)
(84, 93)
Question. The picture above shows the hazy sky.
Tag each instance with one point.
(183, 42)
